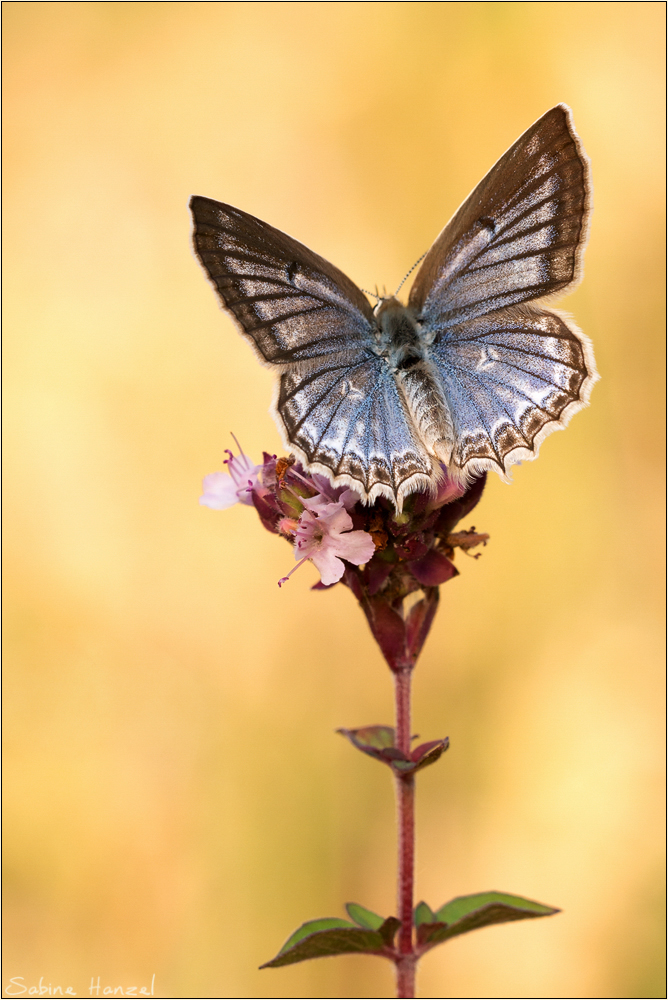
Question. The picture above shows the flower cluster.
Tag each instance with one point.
(381, 555)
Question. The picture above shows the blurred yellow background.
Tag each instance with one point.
(176, 799)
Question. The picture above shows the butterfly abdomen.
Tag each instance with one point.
(405, 347)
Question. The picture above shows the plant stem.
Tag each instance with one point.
(406, 847)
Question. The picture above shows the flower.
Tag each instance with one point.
(381, 555)
(222, 491)
(323, 535)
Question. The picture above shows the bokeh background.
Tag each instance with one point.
(176, 799)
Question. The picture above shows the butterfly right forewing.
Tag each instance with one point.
(519, 235)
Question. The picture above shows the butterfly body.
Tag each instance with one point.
(471, 374)
(400, 337)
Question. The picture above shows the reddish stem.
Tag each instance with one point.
(406, 961)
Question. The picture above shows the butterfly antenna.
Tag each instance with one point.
(411, 271)
(374, 295)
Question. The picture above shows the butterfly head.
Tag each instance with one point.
(387, 303)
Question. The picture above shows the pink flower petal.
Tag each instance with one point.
(356, 546)
(319, 503)
(331, 568)
(323, 535)
(245, 474)
(349, 498)
(220, 491)
(336, 494)
(335, 519)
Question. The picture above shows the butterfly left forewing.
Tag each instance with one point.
(291, 304)
(337, 404)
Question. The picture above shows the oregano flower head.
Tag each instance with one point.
(382, 556)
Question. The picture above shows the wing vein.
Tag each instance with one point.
(519, 350)
(279, 319)
(478, 376)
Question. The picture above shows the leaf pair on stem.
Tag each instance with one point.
(374, 935)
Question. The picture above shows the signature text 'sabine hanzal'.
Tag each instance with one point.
(18, 987)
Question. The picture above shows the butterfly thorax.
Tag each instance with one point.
(399, 337)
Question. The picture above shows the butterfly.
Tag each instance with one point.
(472, 374)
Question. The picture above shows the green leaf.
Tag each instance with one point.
(370, 738)
(423, 914)
(378, 742)
(364, 918)
(468, 913)
(310, 927)
(461, 906)
(328, 936)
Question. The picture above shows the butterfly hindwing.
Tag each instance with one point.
(511, 378)
(349, 420)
